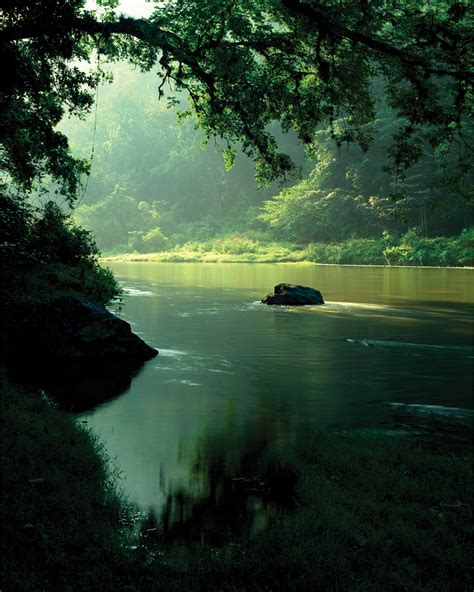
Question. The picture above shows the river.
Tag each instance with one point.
(390, 350)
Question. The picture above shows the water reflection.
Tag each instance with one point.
(82, 391)
(234, 376)
(79, 388)
(230, 505)
(223, 502)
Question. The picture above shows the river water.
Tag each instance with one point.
(391, 350)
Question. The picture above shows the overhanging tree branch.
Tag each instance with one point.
(406, 58)
(244, 64)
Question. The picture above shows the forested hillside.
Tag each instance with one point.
(371, 105)
(156, 185)
(154, 179)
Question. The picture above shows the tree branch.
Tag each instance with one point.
(407, 59)
(139, 28)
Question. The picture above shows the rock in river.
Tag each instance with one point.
(74, 330)
(294, 295)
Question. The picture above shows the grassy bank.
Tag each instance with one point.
(60, 511)
(369, 513)
(409, 249)
(372, 513)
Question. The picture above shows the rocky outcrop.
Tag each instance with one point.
(74, 330)
(292, 295)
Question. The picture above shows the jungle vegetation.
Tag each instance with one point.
(379, 94)
(154, 186)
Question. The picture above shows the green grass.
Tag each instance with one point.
(60, 511)
(409, 249)
(369, 513)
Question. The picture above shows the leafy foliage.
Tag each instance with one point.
(389, 249)
(149, 173)
(41, 81)
(43, 254)
(351, 193)
(142, 155)
(243, 65)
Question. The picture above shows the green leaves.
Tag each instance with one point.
(243, 65)
(229, 155)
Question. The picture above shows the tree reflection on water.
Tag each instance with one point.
(230, 506)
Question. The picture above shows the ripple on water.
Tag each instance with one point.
(406, 345)
(188, 361)
(438, 425)
(441, 410)
(133, 291)
(172, 353)
(183, 381)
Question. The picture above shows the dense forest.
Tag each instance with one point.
(358, 126)
(155, 185)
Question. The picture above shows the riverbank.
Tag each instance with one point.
(368, 512)
(407, 250)
(60, 509)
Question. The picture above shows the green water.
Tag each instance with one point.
(234, 375)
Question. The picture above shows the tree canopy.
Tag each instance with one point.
(244, 64)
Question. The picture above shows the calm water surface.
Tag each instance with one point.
(391, 350)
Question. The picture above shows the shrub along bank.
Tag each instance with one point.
(408, 249)
(369, 513)
(44, 255)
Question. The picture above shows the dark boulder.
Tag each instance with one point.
(294, 295)
(73, 330)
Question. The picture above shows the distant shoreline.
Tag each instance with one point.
(212, 257)
(408, 250)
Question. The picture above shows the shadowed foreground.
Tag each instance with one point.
(369, 513)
